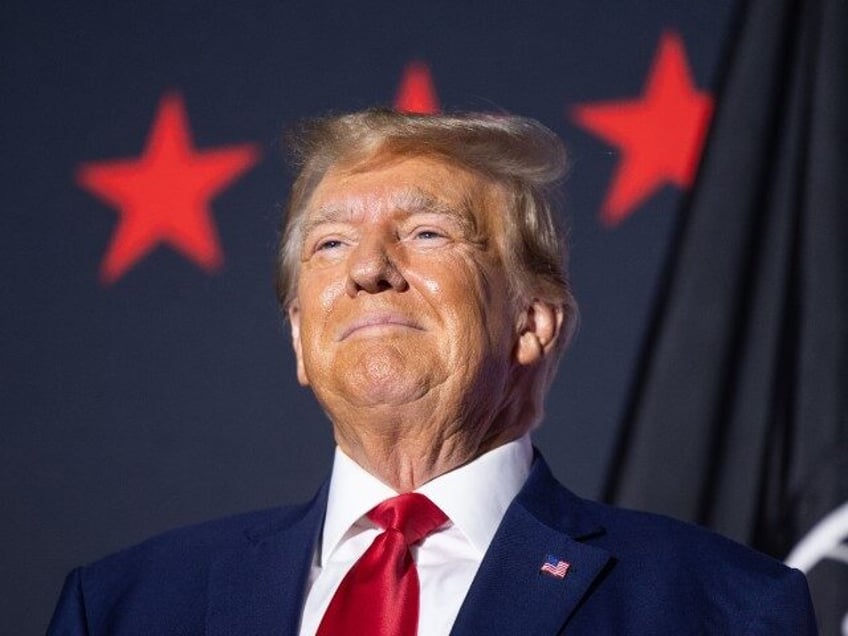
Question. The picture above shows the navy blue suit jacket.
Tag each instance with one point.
(630, 573)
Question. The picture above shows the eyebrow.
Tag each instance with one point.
(412, 200)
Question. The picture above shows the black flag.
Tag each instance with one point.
(738, 419)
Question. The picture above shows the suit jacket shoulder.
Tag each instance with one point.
(179, 582)
(627, 572)
(715, 585)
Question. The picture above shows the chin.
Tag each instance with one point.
(386, 375)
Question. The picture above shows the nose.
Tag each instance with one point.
(371, 267)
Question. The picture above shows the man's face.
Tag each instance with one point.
(401, 289)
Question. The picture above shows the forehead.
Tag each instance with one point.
(412, 184)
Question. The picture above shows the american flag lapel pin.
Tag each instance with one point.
(552, 566)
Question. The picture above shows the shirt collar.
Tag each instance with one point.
(353, 492)
(474, 496)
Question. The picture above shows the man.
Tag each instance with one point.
(422, 273)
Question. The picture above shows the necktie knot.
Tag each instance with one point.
(380, 593)
(412, 514)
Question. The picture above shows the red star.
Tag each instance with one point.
(163, 196)
(660, 135)
(416, 93)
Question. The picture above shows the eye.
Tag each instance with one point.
(428, 234)
(328, 244)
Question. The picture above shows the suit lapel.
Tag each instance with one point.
(510, 595)
(258, 588)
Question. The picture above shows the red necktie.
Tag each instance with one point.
(379, 594)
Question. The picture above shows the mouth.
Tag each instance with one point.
(377, 323)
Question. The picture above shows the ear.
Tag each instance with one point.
(539, 328)
(294, 321)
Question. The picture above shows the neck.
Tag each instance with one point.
(405, 450)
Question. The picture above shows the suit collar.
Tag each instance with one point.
(554, 505)
(258, 588)
(544, 519)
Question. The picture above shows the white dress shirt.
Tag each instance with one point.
(474, 497)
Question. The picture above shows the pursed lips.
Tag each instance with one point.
(379, 319)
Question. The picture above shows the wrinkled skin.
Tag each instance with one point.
(403, 325)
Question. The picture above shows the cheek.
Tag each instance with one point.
(319, 290)
(317, 299)
(329, 294)
(458, 274)
(490, 303)
(471, 296)
(482, 285)
(432, 286)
